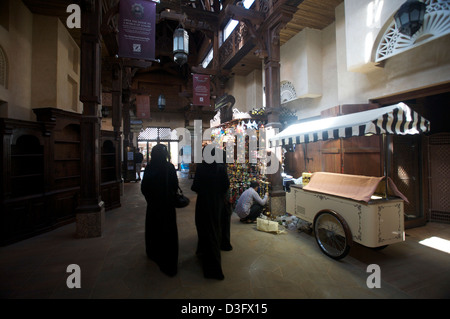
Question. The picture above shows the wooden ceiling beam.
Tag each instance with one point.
(241, 14)
(187, 21)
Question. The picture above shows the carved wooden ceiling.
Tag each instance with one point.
(316, 14)
(197, 16)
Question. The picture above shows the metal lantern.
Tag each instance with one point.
(180, 45)
(161, 102)
(409, 18)
(105, 111)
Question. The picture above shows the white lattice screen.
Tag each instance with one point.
(436, 24)
(158, 133)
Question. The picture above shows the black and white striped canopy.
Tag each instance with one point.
(394, 119)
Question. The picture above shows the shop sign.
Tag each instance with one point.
(136, 122)
(137, 29)
(143, 106)
(201, 90)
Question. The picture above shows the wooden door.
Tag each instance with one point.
(439, 150)
(407, 176)
(361, 155)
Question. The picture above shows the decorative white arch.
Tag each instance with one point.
(436, 24)
(287, 91)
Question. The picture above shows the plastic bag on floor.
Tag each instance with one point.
(268, 226)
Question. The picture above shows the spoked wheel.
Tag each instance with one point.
(332, 234)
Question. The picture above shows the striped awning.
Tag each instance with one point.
(394, 119)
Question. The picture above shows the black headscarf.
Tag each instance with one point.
(160, 156)
(160, 180)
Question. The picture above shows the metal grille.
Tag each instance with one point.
(164, 133)
(158, 133)
(440, 177)
(150, 133)
(406, 174)
(440, 217)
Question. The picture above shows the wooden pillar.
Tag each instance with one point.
(126, 96)
(272, 76)
(117, 114)
(271, 38)
(90, 212)
(126, 101)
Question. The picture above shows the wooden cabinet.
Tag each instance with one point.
(110, 179)
(22, 198)
(67, 170)
(41, 173)
(27, 166)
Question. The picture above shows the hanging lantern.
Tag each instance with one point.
(180, 46)
(161, 102)
(105, 111)
(409, 18)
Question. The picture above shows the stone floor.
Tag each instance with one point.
(260, 266)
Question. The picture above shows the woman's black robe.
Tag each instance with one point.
(211, 184)
(159, 185)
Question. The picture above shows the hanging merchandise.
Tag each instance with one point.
(246, 165)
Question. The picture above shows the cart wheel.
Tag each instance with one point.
(332, 234)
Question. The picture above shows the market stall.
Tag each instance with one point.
(243, 134)
(342, 208)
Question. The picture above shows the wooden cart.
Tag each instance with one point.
(337, 218)
(338, 222)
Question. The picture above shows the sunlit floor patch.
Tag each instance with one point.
(437, 243)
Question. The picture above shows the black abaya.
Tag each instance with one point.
(211, 184)
(158, 185)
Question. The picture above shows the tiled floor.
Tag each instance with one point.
(260, 266)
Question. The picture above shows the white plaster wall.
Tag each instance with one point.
(237, 86)
(68, 71)
(37, 49)
(367, 20)
(16, 42)
(44, 62)
(420, 67)
(55, 67)
(326, 74)
(329, 69)
(348, 79)
(254, 90)
(301, 63)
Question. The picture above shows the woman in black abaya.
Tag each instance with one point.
(211, 184)
(159, 184)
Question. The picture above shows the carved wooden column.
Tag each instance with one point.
(117, 114)
(126, 101)
(272, 77)
(271, 36)
(126, 96)
(90, 212)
